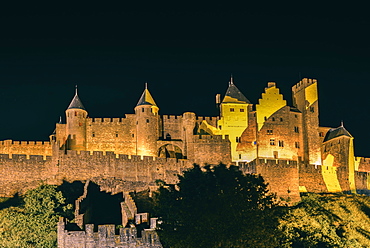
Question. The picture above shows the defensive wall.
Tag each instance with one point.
(287, 178)
(281, 176)
(25, 147)
(20, 172)
(311, 178)
(106, 237)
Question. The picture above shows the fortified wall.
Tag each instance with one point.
(25, 147)
(20, 172)
(281, 176)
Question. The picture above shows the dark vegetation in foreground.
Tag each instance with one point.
(211, 207)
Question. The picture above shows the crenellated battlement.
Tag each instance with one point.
(106, 237)
(304, 83)
(118, 158)
(206, 118)
(106, 120)
(172, 117)
(23, 157)
(24, 143)
(211, 138)
(272, 162)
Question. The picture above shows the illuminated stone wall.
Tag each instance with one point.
(311, 178)
(20, 173)
(25, 147)
(281, 175)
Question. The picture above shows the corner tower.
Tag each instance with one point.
(306, 100)
(338, 155)
(76, 124)
(147, 125)
(234, 116)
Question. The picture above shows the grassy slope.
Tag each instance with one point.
(328, 221)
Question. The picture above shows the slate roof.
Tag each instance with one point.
(76, 103)
(233, 95)
(336, 132)
(146, 99)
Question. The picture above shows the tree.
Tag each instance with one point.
(33, 223)
(217, 207)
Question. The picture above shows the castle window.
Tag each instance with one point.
(147, 120)
(272, 142)
(220, 127)
(281, 143)
(296, 144)
(273, 118)
(142, 110)
(75, 113)
(241, 110)
(281, 119)
(312, 109)
(133, 135)
(93, 134)
(269, 131)
(265, 118)
(321, 134)
(116, 134)
(296, 129)
(231, 109)
(238, 139)
(296, 116)
(240, 156)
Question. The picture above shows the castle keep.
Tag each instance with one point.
(285, 144)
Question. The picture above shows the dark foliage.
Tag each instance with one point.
(217, 207)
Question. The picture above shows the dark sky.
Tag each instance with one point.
(186, 52)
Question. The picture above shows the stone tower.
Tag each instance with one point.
(147, 125)
(306, 100)
(76, 124)
(338, 152)
(234, 116)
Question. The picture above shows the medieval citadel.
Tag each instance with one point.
(285, 144)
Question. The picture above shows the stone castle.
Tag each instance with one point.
(285, 144)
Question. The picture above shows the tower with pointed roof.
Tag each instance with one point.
(76, 115)
(338, 153)
(147, 125)
(234, 110)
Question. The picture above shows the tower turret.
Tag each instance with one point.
(234, 116)
(338, 152)
(306, 100)
(147, 125)
(76, 124)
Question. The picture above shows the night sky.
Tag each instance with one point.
(186, 52)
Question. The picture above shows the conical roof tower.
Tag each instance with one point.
(76, 102)
(233, 94)
(146, 98)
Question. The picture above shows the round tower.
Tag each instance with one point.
(147, 125)
(189, 127)
(76, 125)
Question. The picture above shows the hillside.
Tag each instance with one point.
(327, 221)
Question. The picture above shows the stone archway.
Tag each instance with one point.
(170, 151)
